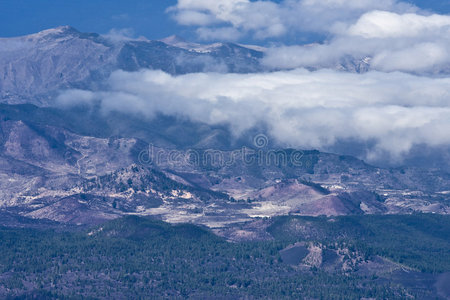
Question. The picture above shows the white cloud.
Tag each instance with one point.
(230, 19)
(393, 111)
(218, 10)
(267, 19)
(191, 17)
(119, 35)
(389, 112)
(384, 24)
(81, 96)
(416, 58)
(392, 35)
(393, 42)
(224, 33)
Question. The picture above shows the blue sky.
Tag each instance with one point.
(145, 17)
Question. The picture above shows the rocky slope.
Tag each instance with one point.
(83, 166)
(34, 67)
(49, 172)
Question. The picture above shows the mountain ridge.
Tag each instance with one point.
(35, 67)
(80, 165)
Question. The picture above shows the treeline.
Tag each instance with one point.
(419, 241)
(141, 258)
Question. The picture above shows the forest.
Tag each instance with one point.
(135, 257)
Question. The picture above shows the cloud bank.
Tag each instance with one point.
(392, 112)
(385, 41)
(400, 104)
(234, 19)
(382, 35)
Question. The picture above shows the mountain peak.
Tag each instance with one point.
(60, 30)
(64, 29)
(174, 40)
(62, 33)
(179, 42)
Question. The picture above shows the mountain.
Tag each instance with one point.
(36, 66)
(99, 204)
(81, 165)
(53, 168)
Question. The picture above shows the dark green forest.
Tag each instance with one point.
(137, 257)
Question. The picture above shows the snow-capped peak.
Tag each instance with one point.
(58, 31)
(174, 40)
(179, 42)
